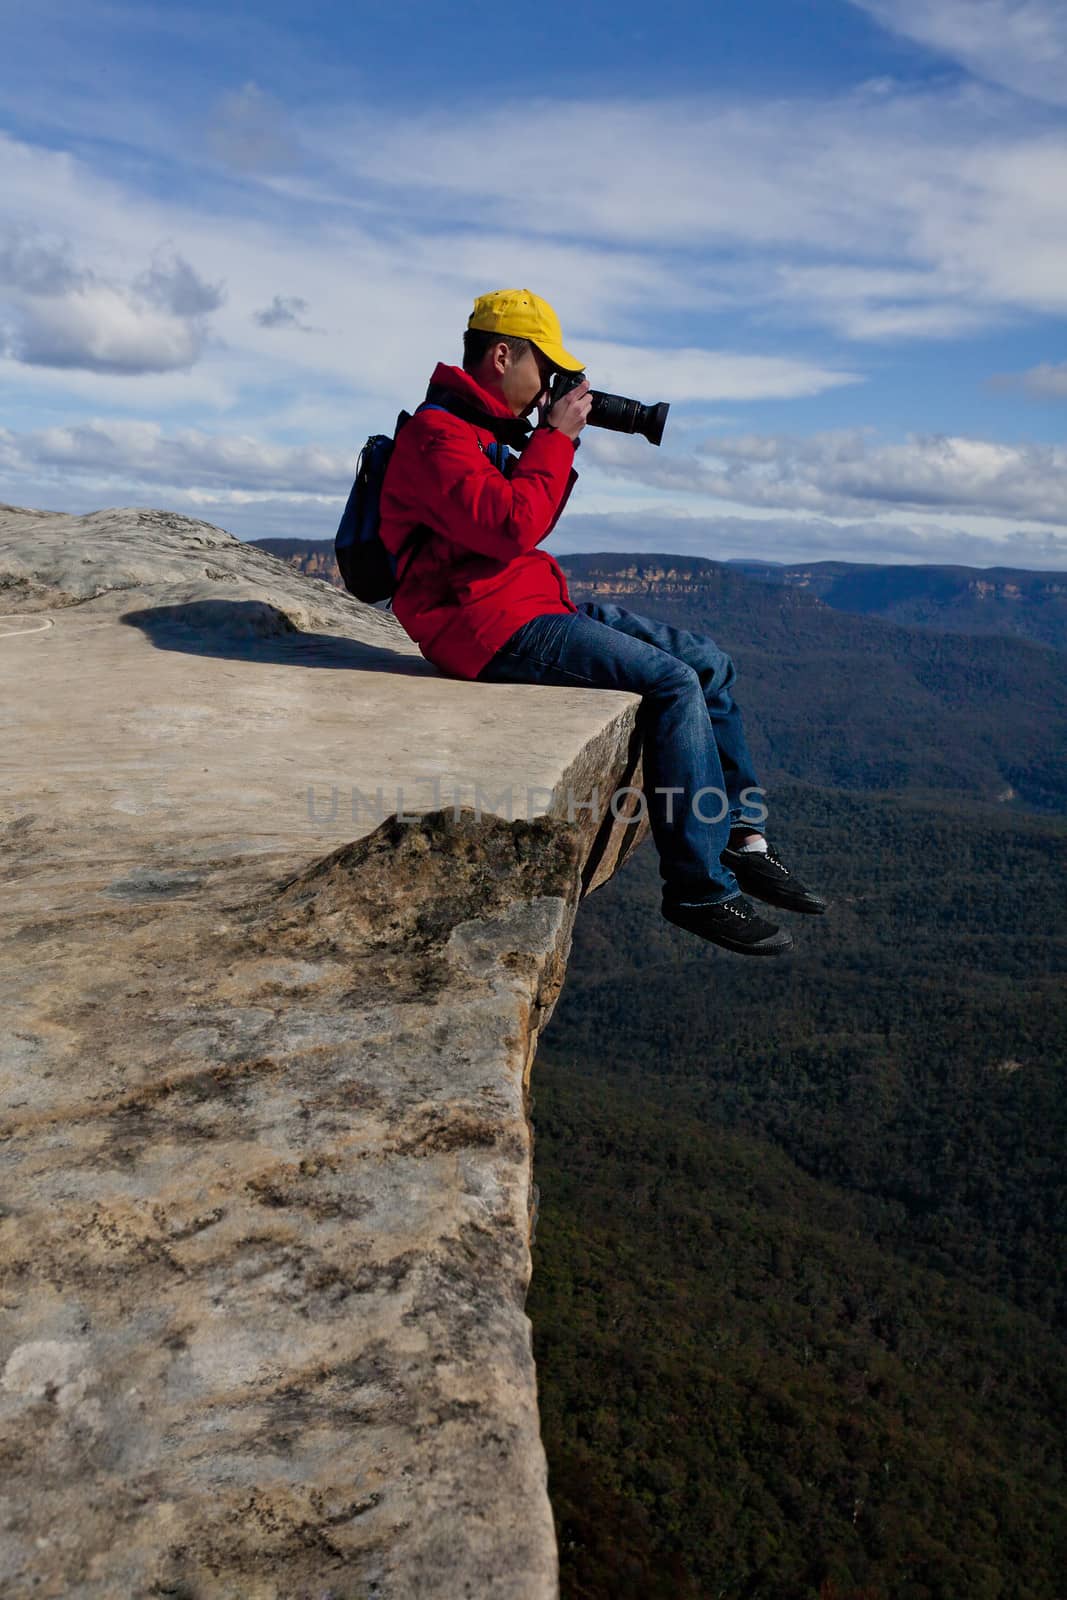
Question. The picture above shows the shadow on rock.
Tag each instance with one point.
(255, 630)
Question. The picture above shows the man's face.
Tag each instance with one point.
(525, 381)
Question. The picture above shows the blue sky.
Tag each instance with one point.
(234, 240)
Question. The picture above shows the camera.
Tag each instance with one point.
(613, 411)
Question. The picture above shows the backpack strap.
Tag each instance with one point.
(498, 452)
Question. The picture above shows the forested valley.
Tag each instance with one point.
(797, 1296)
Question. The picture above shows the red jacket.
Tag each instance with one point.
(479, 575)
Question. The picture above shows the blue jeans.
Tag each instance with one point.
(692, 739)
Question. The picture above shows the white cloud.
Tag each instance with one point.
(871, 303)
(31, 266)
(284, 311)
(956, 193)
(1019, 43)
(1045, 382)
(828, 476)
(60, 314)
(103, 453)
(100, 329)
(390, 306)
(649, 374)
(392, 301)
(171, 284)
(691, 171)
(37, 393)
(258, 490)
(882, 214)
(939, 211)
(844, 473)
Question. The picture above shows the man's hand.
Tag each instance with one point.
(571, 414)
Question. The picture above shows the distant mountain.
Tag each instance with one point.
(853, 701)
(1031, 605)
(1006, 600)
(313, 557)
(856, 702)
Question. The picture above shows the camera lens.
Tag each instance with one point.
(615, 411)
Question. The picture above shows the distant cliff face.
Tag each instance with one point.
(957, 599)
(593, 576)
(313, 558)
(1030, 605)
(675, 580)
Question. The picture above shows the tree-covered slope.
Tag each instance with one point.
(860, 703)
(797, 1296)
(1031, 605)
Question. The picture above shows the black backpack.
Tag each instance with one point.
(368, 570)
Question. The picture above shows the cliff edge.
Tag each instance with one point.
(285, 912)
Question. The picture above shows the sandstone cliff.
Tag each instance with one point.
(286, 910)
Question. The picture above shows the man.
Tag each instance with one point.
(482, 601)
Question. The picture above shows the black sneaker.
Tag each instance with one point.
(734, 924)
(765, 875)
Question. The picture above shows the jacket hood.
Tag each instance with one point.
(461, 383)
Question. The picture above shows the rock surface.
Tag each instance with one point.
(265, 1149)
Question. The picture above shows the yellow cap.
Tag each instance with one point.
(524, 315)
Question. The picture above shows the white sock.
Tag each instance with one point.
(758, 845)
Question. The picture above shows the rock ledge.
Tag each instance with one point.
(265, 1137)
